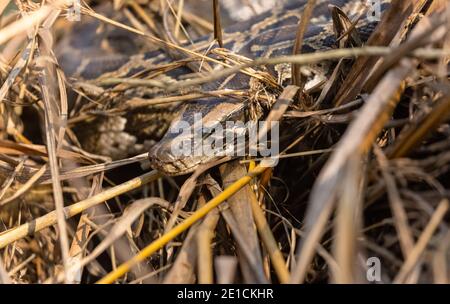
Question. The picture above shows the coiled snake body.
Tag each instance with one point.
(137, 125)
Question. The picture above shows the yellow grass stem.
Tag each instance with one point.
(268, 239)
(177, 230)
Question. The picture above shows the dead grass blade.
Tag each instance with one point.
(20, 64)
(276, 257)
(4, 278)
(81, 237)
(401, 219)
(53, 125)
(30, 171)
(440, 261)
(183, 269)
(3, 5)
(25, 187)
(226, 267)
(348, 222)
(130, 214)
(297, 78)
(422, 242)
(217, 23)
(9, 236)
(205, 260)
(416, 41)
(7, 183)
(24, 24)
(242, 224)
(413, 135)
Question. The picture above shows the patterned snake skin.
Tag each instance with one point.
(89, 58)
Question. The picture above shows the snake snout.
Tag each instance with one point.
(166, 157)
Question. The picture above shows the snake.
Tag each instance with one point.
(126, 118)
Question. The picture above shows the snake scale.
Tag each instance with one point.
(89, 58)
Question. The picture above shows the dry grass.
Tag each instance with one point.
(365, 171)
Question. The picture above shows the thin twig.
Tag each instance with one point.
(217, 23)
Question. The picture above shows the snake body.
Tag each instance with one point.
(267, 35)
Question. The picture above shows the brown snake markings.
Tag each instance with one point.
(133, 130)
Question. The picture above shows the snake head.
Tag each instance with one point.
(193, 137)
